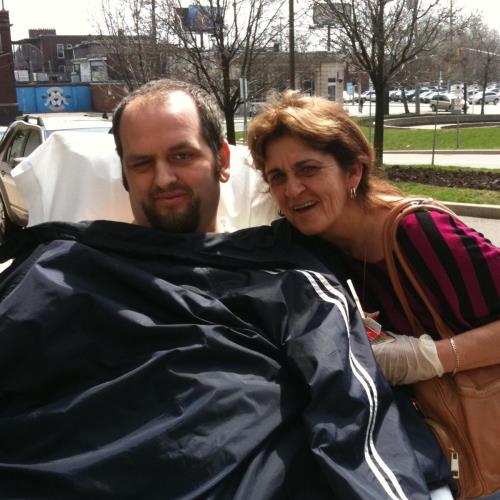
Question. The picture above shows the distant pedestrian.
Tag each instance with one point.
(361, 102)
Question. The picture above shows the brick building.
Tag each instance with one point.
(8, 100)
(47, 56)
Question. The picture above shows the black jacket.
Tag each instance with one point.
(137, 364)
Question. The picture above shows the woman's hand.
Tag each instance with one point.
(405, 360)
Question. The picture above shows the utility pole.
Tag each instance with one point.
(291, 38)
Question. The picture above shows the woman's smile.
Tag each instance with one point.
(304, 207)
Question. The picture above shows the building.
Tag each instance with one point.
(8, 99)
(90, 62)
(317, 73)
(46, 56)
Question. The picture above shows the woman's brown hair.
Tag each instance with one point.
(322, 125)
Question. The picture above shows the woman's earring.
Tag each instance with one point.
(280, 213)
(352, 193)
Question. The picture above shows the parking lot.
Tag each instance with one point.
(397, 108)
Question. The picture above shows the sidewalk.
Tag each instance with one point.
(483, 218)
(445, 152)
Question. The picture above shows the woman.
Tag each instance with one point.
(320, 170)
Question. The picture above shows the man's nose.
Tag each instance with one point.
(294, 186)
(164, 174)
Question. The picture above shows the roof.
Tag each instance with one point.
(66, 121)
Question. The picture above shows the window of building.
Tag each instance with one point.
(98, 71)
(60, 50)
(61, 69)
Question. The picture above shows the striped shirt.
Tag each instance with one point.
(457, 267)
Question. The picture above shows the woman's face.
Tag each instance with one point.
(309, 186)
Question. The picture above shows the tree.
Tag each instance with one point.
(482, 47)
(220, 42)
(137, 50)
(381, 37)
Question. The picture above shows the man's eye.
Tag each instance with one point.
(138, 164)
(182, 156)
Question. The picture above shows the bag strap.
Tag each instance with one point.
(393, 253)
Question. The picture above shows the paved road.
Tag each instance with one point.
(489, 227)
(444, 159)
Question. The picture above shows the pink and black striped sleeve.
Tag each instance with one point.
(458, 267)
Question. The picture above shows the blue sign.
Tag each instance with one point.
(54, 98)
(201, 18)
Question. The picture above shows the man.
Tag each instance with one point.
(172, 172)
(157, 360)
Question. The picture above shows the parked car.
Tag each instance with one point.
(397, 95)
(425, 96)
(21, 138)
(421, 91)
(393, 93)
(368, 95)
(351, 98)
(489, 98)
(409, 93)
(441, 102)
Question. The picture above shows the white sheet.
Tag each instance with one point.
(76, 176)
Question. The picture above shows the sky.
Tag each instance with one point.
(74, 17)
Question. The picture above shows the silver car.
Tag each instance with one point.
(490, 97)
(20, 139)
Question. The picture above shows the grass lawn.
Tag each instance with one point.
(457, 195)
(469, 138)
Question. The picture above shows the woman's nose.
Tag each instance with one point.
(293, 187)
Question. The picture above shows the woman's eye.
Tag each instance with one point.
(308, 169)
(275, 177)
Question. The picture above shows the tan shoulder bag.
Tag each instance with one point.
(462, 410)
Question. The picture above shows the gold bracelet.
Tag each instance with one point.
(457, 358)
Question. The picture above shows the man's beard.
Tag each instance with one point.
(186, 221)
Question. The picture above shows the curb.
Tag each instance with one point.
(471, 210)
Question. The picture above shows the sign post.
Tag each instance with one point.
(244, 98)
(458, 110)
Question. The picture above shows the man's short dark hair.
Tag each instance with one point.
(211, 123)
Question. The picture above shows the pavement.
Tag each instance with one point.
(488, 158)
(483, 218)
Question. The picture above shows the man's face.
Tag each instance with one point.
(169, 168)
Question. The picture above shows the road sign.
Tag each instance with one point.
(243, 89)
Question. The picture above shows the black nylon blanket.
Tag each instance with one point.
(140, 365)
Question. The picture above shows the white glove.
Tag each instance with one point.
(406, 360)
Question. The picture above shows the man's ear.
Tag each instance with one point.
(224, 161)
